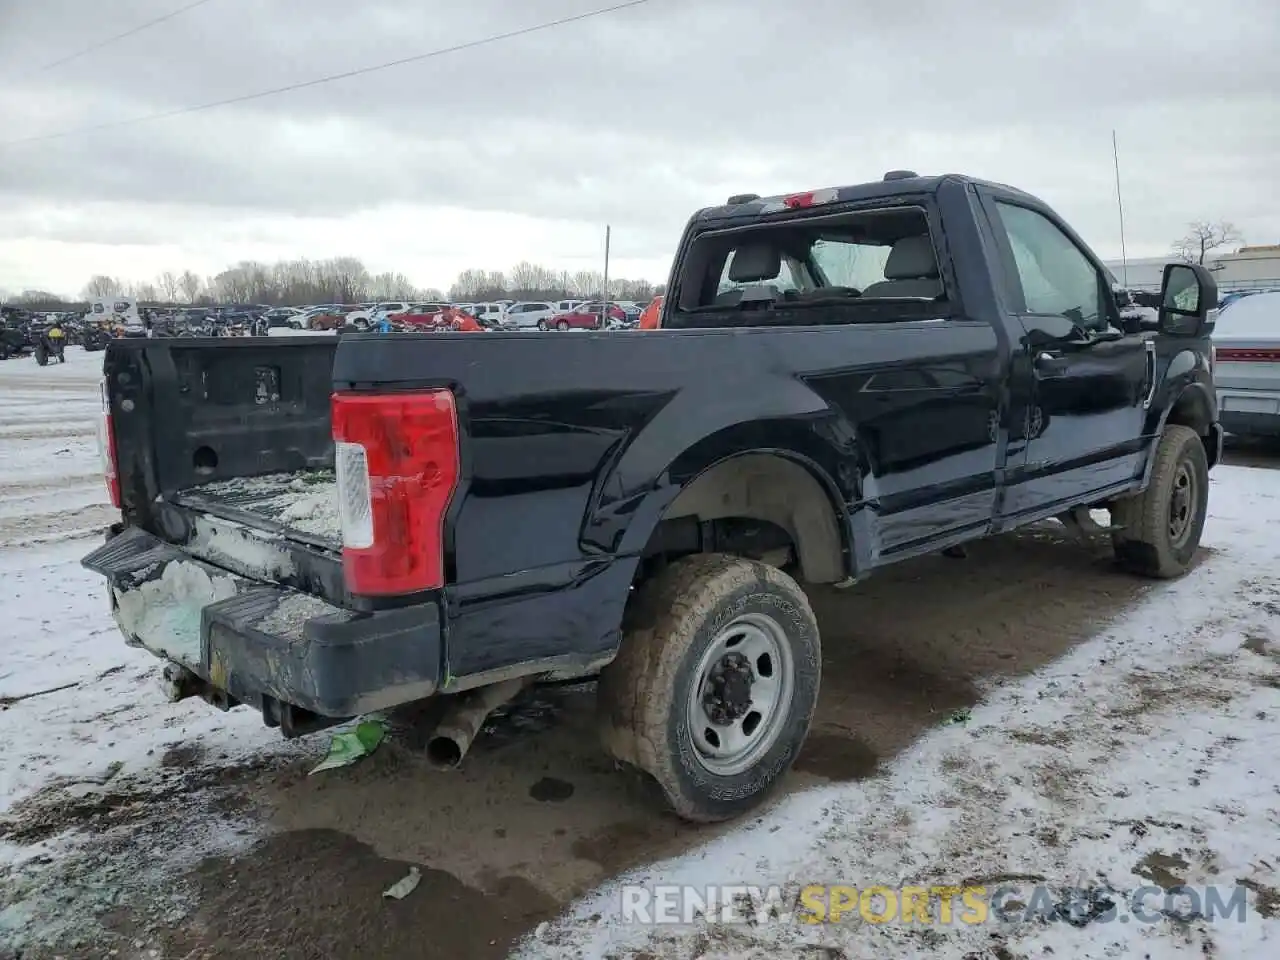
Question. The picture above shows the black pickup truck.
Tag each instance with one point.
(844, 378)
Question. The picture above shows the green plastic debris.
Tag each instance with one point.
(346, 748)
(960, 716)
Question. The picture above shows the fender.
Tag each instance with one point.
(702, 427)
(1187, 388)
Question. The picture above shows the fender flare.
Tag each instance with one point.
(1197, 402)
(802, 449)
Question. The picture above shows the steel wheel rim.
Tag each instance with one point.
(1182, 504)
(730, 736)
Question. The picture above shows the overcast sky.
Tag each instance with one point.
(525, 148)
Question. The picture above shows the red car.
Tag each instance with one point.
(436, 316)
(585, 317)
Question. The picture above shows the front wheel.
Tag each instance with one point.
(714, 685)
(562, 325)
(1159, 529)
(542, 325)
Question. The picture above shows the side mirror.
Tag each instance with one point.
(1188, 298)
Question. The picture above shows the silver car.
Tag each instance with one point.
(1246, 368)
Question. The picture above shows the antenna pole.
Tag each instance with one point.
(1124, 258)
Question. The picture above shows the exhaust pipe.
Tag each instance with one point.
(464, 718)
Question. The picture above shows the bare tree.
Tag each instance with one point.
(100, 286)
(588, 283)
(346, 280)
(190, 285)
(467, 286)
(527, 279)
(391, 286)
(1203, 237)
(495, 284)
(167, 284)
(524, 277)
(38, 300)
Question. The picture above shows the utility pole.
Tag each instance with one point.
(605, 298)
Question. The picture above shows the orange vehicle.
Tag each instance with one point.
(652, 314)
(461, 320)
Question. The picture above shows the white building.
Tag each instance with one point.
(1249, 268)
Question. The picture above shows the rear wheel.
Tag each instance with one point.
(714, 685)
(1160, 528)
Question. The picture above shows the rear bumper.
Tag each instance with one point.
(265, 645)
(1249, 413)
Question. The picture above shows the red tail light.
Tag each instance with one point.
(396, 458)
(1247, 354)
(107, 448)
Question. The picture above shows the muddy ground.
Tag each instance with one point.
(537, 814)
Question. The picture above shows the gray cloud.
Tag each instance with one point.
(640, 116)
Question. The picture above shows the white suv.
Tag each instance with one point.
(489, 314)
(529, 315)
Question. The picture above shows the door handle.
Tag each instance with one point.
(1051, 364)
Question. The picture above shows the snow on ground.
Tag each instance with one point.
(101, 713)
(83, 722)
(1145, 756)
(51, 483)
(75, 702)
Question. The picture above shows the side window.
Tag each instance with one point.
(1056, 276)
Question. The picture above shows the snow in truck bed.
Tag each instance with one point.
(304, 502)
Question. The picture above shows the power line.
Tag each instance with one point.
(331, 78)
(120, 36)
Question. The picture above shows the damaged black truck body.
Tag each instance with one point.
(844, 378)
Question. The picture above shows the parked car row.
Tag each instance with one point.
(123, 316)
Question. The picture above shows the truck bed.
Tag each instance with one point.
(301, 505)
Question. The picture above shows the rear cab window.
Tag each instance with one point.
(872, 265)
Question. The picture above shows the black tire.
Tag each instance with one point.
(1160, 528)
(562, 325)
(646, 694)
(542, 325)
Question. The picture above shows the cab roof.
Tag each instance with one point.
(894, 183)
